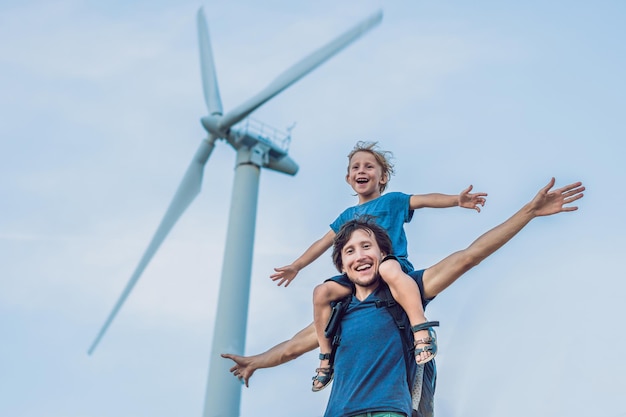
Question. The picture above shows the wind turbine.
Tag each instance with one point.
(256, 146)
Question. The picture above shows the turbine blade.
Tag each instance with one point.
(186, 193)
(299, 70)
(207, 67)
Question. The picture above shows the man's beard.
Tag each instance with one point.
(373, 281)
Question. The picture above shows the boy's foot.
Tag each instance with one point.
(425, 341)
(324, 373)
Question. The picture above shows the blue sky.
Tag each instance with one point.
(101, 105)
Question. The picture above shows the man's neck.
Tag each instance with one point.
(362, 292)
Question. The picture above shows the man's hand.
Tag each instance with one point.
(472, 201)
(243, 368)
(284, 274)
(548, 202)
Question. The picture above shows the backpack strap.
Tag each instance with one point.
(399, 316)
(333, 328)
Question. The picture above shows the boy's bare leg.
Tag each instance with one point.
(303, 341)
(406, 292)
(323, 294)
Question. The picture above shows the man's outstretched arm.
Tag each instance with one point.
(303, 341)
(546, 203)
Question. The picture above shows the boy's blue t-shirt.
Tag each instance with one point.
(391, 211)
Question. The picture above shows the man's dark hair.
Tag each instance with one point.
(367, 224)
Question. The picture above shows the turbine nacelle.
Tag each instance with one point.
(255, 142)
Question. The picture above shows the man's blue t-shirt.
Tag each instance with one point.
(370, 372)
(391, 211)
(370, 368)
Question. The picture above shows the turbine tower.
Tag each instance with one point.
(256, 146)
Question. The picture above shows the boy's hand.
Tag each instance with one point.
(472, 201)
(284, 274)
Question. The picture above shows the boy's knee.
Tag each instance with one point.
(390, 270)
(329, 291)
(321, 294)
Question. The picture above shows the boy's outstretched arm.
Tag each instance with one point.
(465, 199)
(286, 274)
(438, 277)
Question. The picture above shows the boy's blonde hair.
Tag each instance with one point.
(382, 157)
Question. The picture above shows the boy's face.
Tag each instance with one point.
(365, 175)
(361, 257)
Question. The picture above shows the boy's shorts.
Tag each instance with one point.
(416, 275)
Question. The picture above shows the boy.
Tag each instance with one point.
(369, 171)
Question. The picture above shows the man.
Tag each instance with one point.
(370, 365)
(434, 280)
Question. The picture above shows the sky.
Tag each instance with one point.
(101, 103)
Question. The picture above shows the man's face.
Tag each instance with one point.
(361, 257)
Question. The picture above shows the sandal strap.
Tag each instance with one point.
(429, 342)
(424, 326)
(423, 341)
(427, 348)
(324, 376)
(324, 356)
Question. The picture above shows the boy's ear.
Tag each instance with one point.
(384, 179)
(348, 178)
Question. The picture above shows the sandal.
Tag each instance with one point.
(430, 341)
(324, 375)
